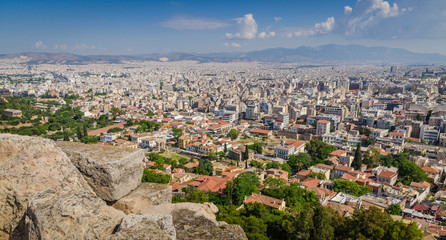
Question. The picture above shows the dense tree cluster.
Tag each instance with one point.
(394, 209)
(147, 126)
(317, 222)
(161, 160)
(350, 187)
(304, 217)
(300, 161)
(257, 147)
(408, 171)
(205, 167)
(318, 150)
(149, 175)
(276, 165)
(233, 134)
(243, 185)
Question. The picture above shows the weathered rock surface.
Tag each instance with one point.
(68, 214)
(197, 221)
(112, 172)
(144, 230)
(144, 196)
(136, 227)
(29, 165)
(45, 194)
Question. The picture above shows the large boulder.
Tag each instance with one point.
(148, 226)
(112, 172)
(197, 221)
(68, 214)
(144, 196)
(29, 165)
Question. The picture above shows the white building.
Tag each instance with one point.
(429, 134)
(323, 127)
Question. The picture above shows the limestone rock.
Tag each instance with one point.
(29, 165)
(134, 226)
(144, 230)
(68, 214)
(144, 196)
(197, 221)
(112, 172)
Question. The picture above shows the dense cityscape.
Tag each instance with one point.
(223, 120)
(344, 141)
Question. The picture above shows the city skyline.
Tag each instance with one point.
(138, 27)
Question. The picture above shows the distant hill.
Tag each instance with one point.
(333, 54)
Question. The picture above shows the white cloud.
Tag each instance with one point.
(277, 19)
(266, 35)
(369, 12)
(40, 45)
(247, 28)
(234, 44)
(83, 46)
(384, 9)
(348, 10)
(191, 23)
(318, 28)
(61, 46)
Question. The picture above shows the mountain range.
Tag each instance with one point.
(326, 54)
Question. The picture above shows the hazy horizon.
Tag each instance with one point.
(148, 27)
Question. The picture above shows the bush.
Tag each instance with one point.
(149, 175)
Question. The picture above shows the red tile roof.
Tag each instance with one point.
(338, 152)
(265, 200)
(311, 182)
(260, 131)
(387, 174)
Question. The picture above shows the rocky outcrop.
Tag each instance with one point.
(144, 230)
(144, 196)
(46, 195)
(69, 214)
(112, 172)
(29, 165)
(197, 221)
(135, 226)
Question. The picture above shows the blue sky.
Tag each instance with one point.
(136, 27)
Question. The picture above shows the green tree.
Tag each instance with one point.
(372, 157)
(246, 153)
(375, 224)
(257, 147)
(299, 161)
(79, 132)
(205, 167)
(319, 150)
(295, 197)
(320, 176)
(322, 224)
(351, 188)
(394, 209)
(150, 113)
(116, 112)
(84, 128)
(177, 133)
(256, 164)
(243, 185)
(273, 182)
(233, 134)
(192, 194)
(65, 136)
(357, 161)
(149, 175)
